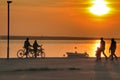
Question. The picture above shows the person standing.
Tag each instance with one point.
(102, 47)
(112, 49)
(98, 54)
(26, 46)
(35, 46)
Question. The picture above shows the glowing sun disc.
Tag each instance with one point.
(99, 8)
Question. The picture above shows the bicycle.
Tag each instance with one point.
(22, 53)
(40, 52)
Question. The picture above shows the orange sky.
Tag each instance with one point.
(59, 18)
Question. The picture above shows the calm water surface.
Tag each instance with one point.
(57, 48)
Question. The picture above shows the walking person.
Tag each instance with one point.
(35, 46)
(27, 46)
(112, 49)
(102, 47)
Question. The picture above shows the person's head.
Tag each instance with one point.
(98, 47)
(27, 39)
(112, 39)
(35, 41)
(101, 38)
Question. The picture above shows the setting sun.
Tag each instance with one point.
(99, 8)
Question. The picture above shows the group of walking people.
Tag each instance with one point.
(101, 49)
(35, 46)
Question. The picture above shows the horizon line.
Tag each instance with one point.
(3, 37)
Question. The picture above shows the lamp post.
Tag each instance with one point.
(8, 37)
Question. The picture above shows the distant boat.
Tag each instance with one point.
(77, 55)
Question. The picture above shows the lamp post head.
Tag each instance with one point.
(9, 1)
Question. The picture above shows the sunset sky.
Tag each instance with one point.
(60, 18)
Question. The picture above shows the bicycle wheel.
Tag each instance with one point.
(21, 53)
(43, 55)
(31, 54)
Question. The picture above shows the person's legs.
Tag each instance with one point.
(109, 56)
(27, 51)
(104, 55)
(114, 54)
(35, 53)
(112, 58)
(99, 56)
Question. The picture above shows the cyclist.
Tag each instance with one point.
(26, 46)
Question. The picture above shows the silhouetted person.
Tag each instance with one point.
(112, 49)
(26, 46)
(102, 47)
(98, 54)
(35, 46)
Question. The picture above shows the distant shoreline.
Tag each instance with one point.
(55, 58)
(51, 58)
(3, 37)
